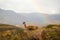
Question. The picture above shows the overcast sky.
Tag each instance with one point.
(29, 6)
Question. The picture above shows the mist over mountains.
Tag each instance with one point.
(11, 17)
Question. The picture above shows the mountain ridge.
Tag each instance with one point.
(11, 17)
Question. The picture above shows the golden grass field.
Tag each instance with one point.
(10, 32)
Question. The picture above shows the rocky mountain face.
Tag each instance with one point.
(11, 17)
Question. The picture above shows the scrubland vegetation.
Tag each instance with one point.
(10, 32)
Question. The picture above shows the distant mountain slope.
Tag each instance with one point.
(8, 16)
(54, 18)
(11, 17)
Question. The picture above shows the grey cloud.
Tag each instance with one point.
(46, 4)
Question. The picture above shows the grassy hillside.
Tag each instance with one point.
(10, 32)
(53, 32)
(6, 26)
